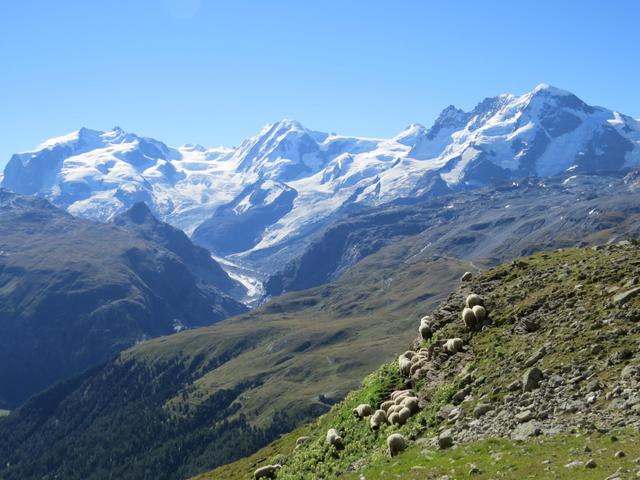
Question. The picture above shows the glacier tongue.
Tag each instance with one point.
(283, 184)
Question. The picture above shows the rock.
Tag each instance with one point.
(445, 439)
(481, 409)
(622, 297)
(466, 276)
(533, 359)
(514, 386)
(591, 463)
(629, 372)
(474, 470)
(620, 454)
(574, 464)
(531, 379)
(526, 430)
(524, 416)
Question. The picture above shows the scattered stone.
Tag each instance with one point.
(524, 416)
(591, 463)
(474, 470)
(574, 464)
(531, 379)
(466, 276)
(445, 439)
(621, 298)
(526, 430)
(533, 359)
(514, 386)
(620, 454)
(481, 409)
(629, 372)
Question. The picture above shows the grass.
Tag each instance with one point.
(4, 413)
(568, 293)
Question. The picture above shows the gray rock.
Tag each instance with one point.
(591, 463)
(629, 372)
(533, 359)
(524, 416)
(526, 430)
(481, 409)
(531, 379)
(467, 276)
(626, 295)
(445, 439)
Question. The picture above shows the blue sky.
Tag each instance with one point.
(214, 72)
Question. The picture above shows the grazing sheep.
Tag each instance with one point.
(416, 366)
(473, 300)
(479, 312)
(396, 444)
(385, 405)
(334, 439)
(393, 418)
(302, 440)
(469, 318)
(362, 410)
(453, 345)
(395, 394)
(405, 365)
(408, 354)
(403, 415)
(412, 404)
(425, 332)
(268, 471)
(377, 419)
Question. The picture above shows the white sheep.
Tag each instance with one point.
(479, 312)
(469, 318)
(362, 410)
(473, 300)
(302, 440)
(395, 394)
(268, 471)
(403, 415)
(377, 419)
(334, 439)
(385, 405)
(453, 345)
(411, 403)
(396, 444)
(393, 418)
(404, 364)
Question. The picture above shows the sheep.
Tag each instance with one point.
(403, 415)
(334, 439)
(453, 345)
(268, 471)
(473, 300)
(385, 405)
(362, 410)
(377, 419)
(302, 441)
(395, 394)
(405, 365)
(469, 318)
(416, 366)
(396, 444)
(479, 312)
(408, 354)
(394, 418)
(412, 404)
(425, 329)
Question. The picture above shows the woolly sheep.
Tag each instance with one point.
(415, 367)
(377, 419)
(385, 405)
(412, 404)
(362, 410)
(479, 312)
(268, 471)
(395, 394)
(334, 439)
(403, 415)
(396, 444)
(469, 318)
(393, 418)
(405, 365)
(453, 345)
(473, 300)
(302, 440)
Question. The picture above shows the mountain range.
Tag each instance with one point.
(74, 292)
(259, 204)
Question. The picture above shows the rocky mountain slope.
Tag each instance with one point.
(73, 292)
(545, 386)
(285, 183)
(494, 224)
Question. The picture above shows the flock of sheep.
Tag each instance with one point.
(402, 404)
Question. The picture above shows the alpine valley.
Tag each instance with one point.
(122, 257)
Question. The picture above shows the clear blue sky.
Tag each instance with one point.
(214, 72)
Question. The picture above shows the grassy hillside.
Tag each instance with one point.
(581, 305)
(179, 405)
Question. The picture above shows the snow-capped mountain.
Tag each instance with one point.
(271, 192)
